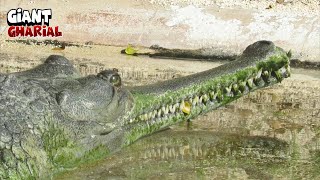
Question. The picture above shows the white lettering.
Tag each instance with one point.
(19, 15)
(26, 17)
(36, 16)
(12, 17)
(46, 13)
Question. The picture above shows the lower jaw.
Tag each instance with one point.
(170, 114)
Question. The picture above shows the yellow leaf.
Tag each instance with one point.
(130, 50)
(186, 107)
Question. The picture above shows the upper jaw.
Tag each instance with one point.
(161, 105)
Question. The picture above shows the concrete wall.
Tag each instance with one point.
(224, 28)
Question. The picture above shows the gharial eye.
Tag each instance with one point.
(115, 80)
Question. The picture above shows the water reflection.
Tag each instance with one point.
(200, 154)
(188, 154)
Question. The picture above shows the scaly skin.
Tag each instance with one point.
(51, 119)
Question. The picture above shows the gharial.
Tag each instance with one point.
(51, 119)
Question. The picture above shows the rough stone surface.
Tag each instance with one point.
(223, 25)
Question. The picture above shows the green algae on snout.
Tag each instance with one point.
(145, 102)
(150, 100)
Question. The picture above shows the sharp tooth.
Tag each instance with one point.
(165, 152)
(242, 87)
(148, 123)
(205, 98)
(159, 113)
(163, 108)
(194, 151)
(235, 87)
(212, 95)
(154, 114)
(173, 150)
(289, 54)
(259, 73)
(265, 76)
(250, 83)
(171, 108)
(148, 154)
(176, 106)
(195, 100)
(277, 75)
(288, 71)
(166, 110)
(219, 96)
(140, 118)
(181, 105)
(228, 90)
(162, 152)
(158, 151)
(283, 72)
(181, 151)
(215, 96)
(150, 115)
(200, 99)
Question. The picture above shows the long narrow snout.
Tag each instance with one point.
(160, 105)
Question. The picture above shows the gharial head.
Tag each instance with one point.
(50, 116)
(99, 99)
(96, 102)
